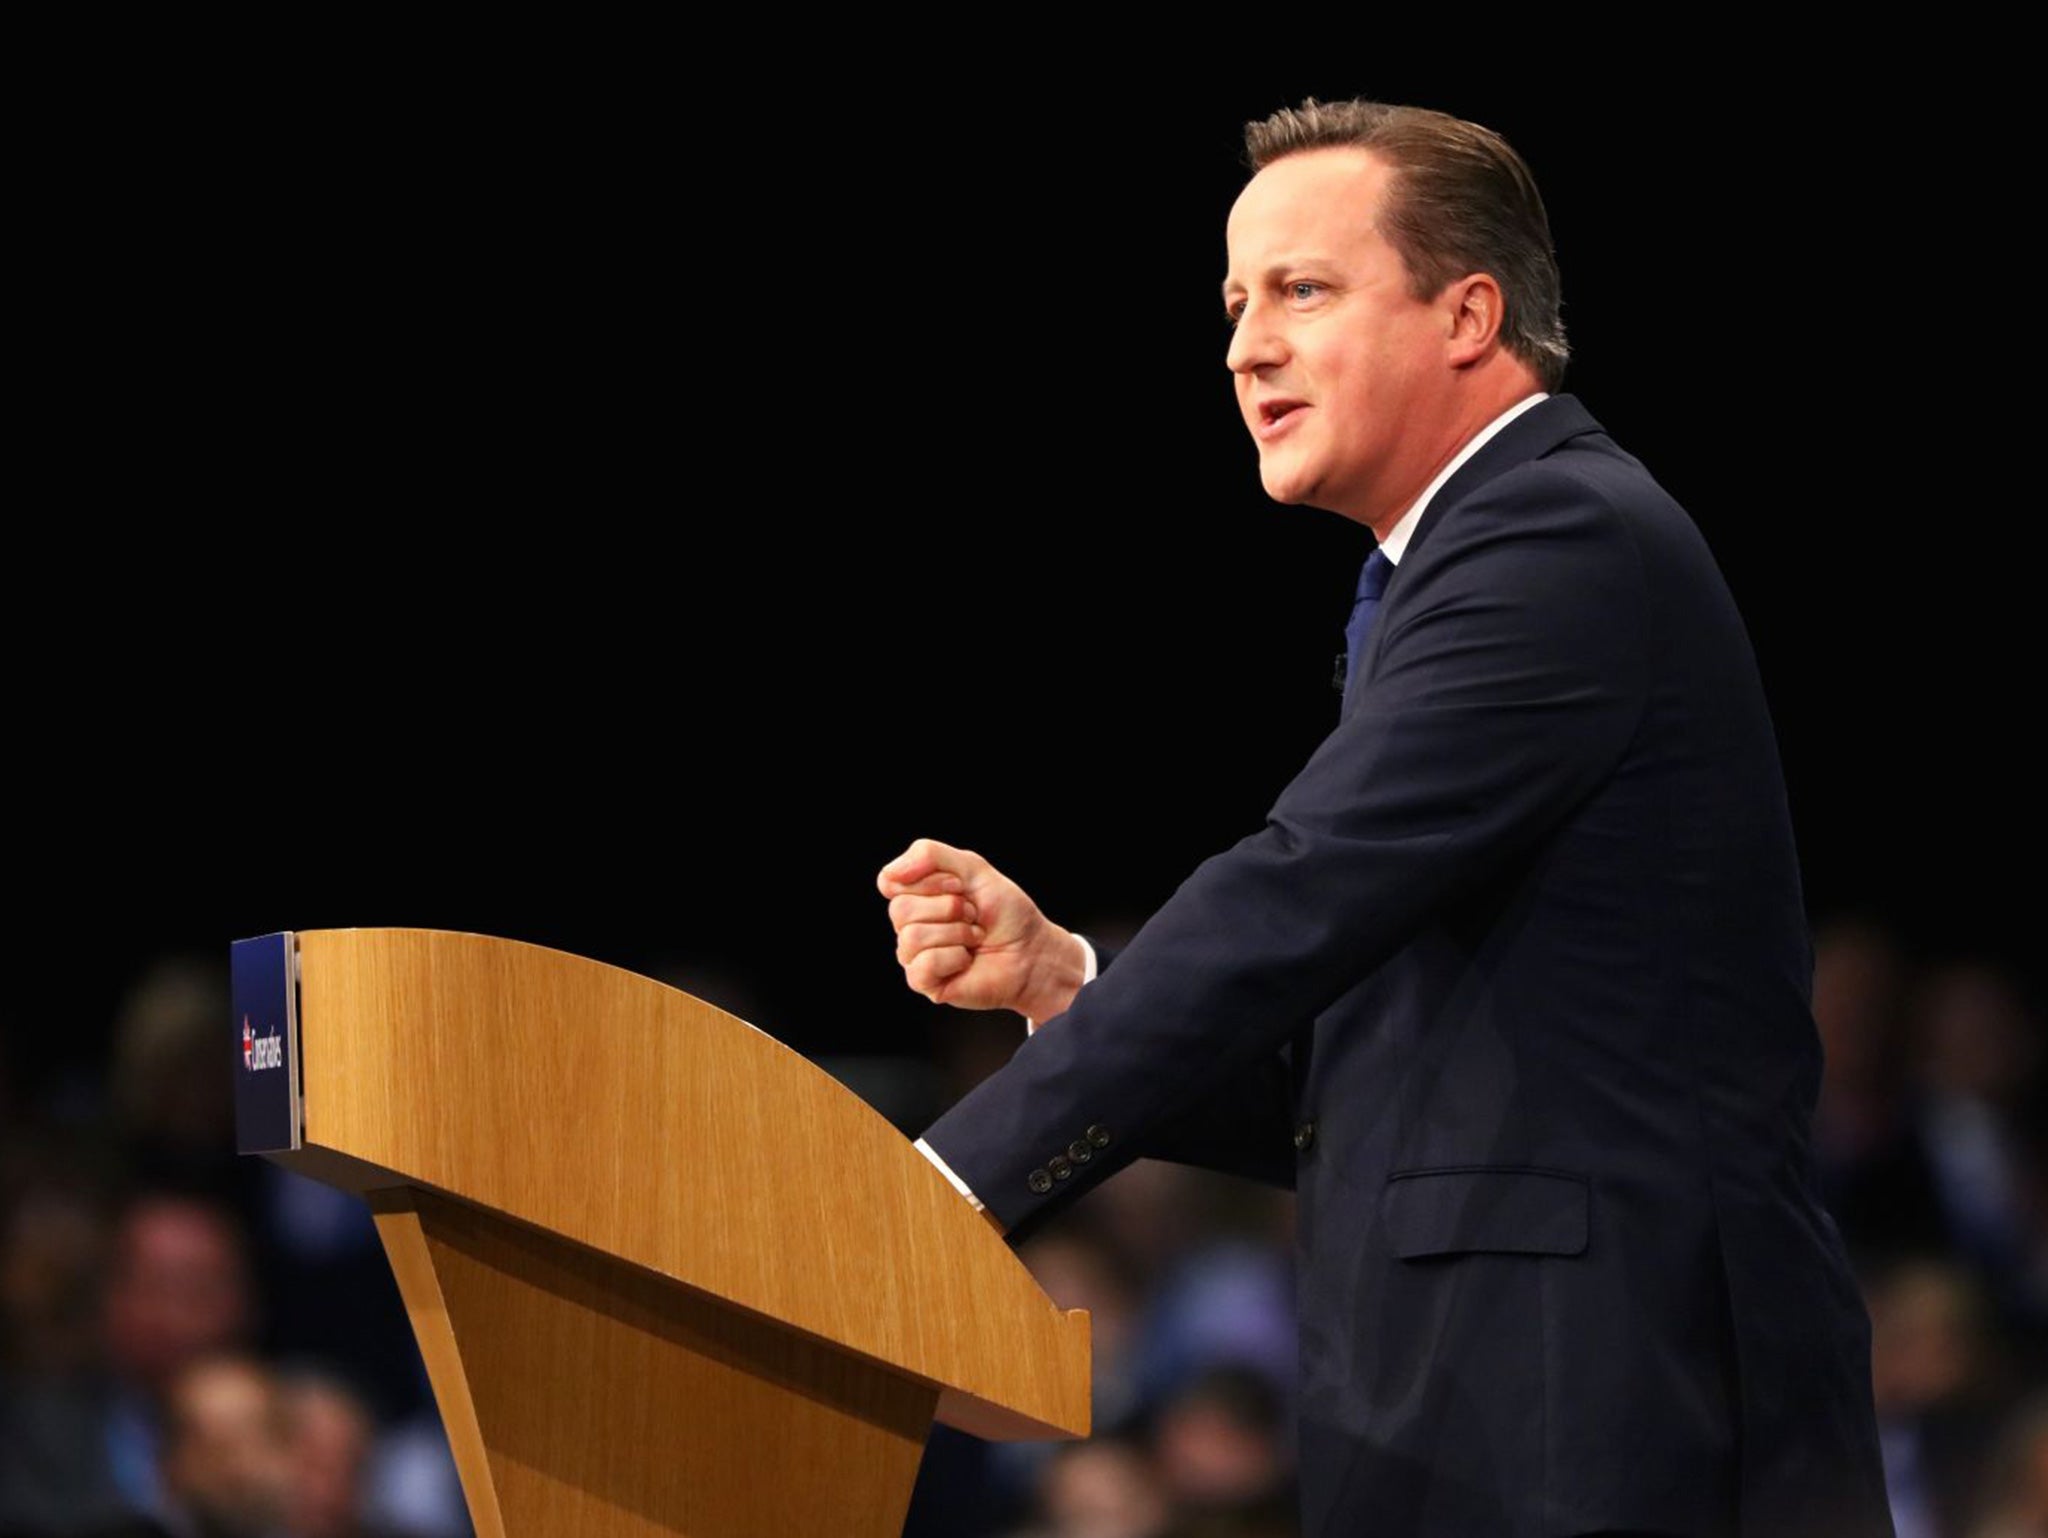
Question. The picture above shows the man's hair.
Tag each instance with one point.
(1461, 201)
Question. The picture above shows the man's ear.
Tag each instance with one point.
(1473, 308)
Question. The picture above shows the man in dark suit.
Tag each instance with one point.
(1513, 985)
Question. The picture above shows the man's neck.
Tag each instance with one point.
(1394, 542)
(1472, 415)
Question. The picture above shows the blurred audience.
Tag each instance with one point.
(330, 1294)
(82, 1437)
(172, 1096)
(53, 1245)
(412, 1484)
(142, 1263)
(1228, 1302)
(1079, 1268)
(225, 1463)
(2016, 1497)
(178, 1289)
(1980, 1052)
(1102, 1488)
(1220, 1444)
(328, 1438)
(1874, 1169)
(1938, 1394)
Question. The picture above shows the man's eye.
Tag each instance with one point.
(1304, 290)
(1232, 314)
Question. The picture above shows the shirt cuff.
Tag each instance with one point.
(947, 1170)
(1087, 977)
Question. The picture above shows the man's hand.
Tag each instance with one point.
(967, 935)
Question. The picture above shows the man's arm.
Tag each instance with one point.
(1246, 1129)
(1509, 679)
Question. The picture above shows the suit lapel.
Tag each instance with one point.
(1531, 435)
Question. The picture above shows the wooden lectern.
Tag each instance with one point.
(667, 1276)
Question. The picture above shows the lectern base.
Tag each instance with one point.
(586, 1398)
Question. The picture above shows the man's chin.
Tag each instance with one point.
(1296, 490)
(1285, 488)
(1293, 493)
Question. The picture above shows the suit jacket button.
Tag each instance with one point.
(1079, 1151)
(1099, 1135)
(1039, 1181)
(1059, 1166)
(1305, 1136)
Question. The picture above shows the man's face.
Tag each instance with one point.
(177, 1291)
(1339, 368)
(224, 1460)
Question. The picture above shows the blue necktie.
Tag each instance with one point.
(1372, 584)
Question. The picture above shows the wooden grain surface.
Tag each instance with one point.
(642, 1123)
(595, 1401)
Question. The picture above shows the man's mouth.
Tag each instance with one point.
(1276, 415)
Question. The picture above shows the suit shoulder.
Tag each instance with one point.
(1590, 466)
(1569, 506)
(1603, 469)
(1587, 492)
(1665, 537)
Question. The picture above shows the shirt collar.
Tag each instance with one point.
(1396, 542)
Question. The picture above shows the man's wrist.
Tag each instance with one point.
(1065, 981)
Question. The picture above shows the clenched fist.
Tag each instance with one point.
(967, 935)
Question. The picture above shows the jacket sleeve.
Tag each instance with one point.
(1505, 682)
(1246, 1128)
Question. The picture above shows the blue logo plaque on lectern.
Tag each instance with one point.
(266, 1043)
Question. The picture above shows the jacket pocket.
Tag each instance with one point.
(1485, 1208)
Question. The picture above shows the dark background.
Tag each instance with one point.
(619, 498)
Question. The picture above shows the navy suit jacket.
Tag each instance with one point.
(1533, 912)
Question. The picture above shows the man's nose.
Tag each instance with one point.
(1253, 342)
